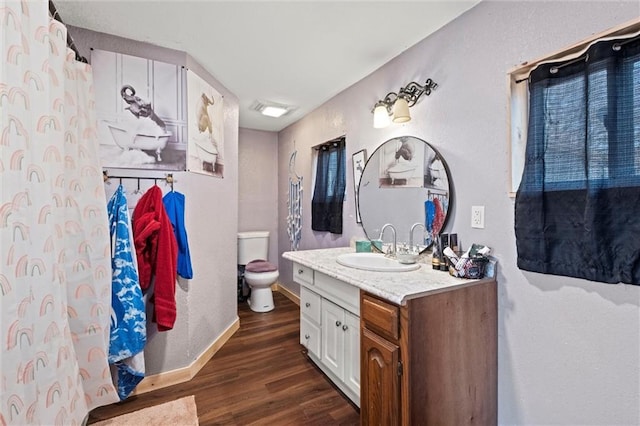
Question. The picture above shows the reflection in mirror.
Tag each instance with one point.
(405, 181)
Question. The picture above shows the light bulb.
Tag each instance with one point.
(380, 116)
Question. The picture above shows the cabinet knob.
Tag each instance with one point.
(300, 271)
(338, 323)
(344, 327)
(307, 304)
(306, 336)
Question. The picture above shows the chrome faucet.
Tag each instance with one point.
(385, 226)
(414, 226)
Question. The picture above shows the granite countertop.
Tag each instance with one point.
(396, 287)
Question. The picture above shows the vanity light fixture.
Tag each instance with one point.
(395, 106)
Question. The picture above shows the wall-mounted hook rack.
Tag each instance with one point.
(168, 178)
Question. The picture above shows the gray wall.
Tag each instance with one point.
(258, 185)
(206, 304)
(569, 349)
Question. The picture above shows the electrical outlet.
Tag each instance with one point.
(477, 216)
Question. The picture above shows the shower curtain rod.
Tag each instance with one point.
(55, 15)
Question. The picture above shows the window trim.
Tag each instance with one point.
(518, 115)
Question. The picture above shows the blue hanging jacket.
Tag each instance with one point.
(174, 205)
(430, 213)
(128, 334)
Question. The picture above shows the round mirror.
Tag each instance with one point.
(405, 181)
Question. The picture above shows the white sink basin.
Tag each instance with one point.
(374, 262)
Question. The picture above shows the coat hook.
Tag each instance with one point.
(170, 180)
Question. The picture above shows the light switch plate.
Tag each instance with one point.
(477, 216)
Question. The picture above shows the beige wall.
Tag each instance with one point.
(258, 185)
(206, 304)
(569, 349)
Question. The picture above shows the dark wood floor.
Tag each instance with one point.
(260, 376)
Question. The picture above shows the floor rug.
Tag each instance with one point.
(181, 412)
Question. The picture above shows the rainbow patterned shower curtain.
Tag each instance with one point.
(55, 279)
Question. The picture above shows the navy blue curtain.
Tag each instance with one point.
(328, 194)
(577, 210)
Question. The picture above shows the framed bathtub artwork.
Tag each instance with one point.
(358, 159)
(205, 127)
(140, 112)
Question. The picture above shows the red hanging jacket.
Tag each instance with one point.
(157, 255)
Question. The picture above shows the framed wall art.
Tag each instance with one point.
(140, 111)
(206, 127)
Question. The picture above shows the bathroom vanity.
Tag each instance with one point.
(426, 341)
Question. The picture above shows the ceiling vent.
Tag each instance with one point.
(271, 109)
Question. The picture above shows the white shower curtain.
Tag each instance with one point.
(55, 289)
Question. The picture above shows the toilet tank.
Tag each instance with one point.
(252, 245)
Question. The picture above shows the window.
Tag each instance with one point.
(330, 182)
(577, 204)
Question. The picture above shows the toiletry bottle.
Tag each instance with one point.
(435, 261)
(444, 242)
(435, 256)
(453, 243)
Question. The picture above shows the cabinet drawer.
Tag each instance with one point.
(310, 336)
(310, 304)
(302, 274)
(380, 316)
(339, 292)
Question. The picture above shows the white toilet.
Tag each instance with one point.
(259, 274)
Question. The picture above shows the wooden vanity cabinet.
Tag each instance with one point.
(432, 361)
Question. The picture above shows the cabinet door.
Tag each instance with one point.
(380, 397)
(333, 337)
(351, 330)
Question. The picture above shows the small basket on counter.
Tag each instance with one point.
(472, 268)
(474, 264)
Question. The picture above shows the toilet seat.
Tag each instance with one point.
(260, 265)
